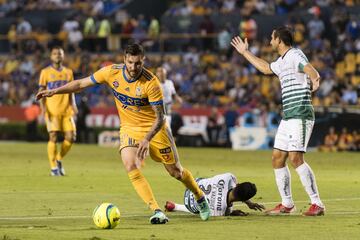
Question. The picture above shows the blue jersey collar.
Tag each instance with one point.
(130, 80)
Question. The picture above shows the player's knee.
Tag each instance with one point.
(296, 160)
(70, 137)
(52, 137)
(277, 160)
(129, 167)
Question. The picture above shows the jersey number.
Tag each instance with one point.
(206, 190)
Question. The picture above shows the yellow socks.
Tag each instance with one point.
(51, 148)
(143, 188)
(190, 183)
(65, 147)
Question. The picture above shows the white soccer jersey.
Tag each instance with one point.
(295, 85)
(216, 191)
(168, 91)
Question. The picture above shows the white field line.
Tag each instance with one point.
(177, 214)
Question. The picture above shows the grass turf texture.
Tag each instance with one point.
(34, 205)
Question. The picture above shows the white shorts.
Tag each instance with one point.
(293, 135)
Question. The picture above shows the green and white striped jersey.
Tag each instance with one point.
(295, 85)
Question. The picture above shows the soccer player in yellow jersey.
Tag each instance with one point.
(139, 100)
(58, 110)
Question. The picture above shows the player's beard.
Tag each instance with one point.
(57, 62)
(133, 74)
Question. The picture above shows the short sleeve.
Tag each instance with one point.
(154, 92)
(275, 68)
(101, 76)
(172, 88)
(300, 60)
(71, 75)
(42, 79)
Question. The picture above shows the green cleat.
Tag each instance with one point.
(204, 208)
(158, 218)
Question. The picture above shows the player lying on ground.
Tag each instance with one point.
(139, 100)
(221, 191)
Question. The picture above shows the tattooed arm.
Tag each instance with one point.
(159, 122)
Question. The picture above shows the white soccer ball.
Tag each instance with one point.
(106, 216)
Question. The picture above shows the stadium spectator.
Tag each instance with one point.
(231, 119)
(81, 127)
(330, 141)
(248, 28)
(32, 113)
(224, 38)
(12, 38)
(206, 28)
(215, 125)
(154, 28)
(345, 139)
(316, 27)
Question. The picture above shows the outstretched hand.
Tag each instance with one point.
(240, 45)
(255, 206)
(44, 93)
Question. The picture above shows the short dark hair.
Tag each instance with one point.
(56, 47)
(244, 191)
(134, 49)
(285, 34)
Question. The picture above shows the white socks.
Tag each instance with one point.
(283, 182)
(181, 208)
(307, 178)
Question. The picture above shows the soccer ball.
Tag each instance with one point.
(106, 216)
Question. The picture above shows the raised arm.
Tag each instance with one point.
(71, 87)
(314, 76)
(243, 48)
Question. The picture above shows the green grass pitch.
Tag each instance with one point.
(34, 205)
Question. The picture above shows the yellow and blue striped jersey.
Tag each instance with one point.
(50, 78)
(133, 97)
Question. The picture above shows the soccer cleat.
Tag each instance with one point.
(158, 218)
(281, 210)
(169, 206)
(203, 208)
(315, 210)
(60, 167)
(55, 173)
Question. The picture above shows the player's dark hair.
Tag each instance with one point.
(244, 191)
(56, 47)
(285, 34)
(134, 49)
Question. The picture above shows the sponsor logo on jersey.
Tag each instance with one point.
(56, 84)
(138, 91)
(130, 101)
(115, 84)
(165, 150)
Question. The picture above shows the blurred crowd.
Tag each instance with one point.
(341, 141)
(207, 73)
(248, 7)
(95, 7)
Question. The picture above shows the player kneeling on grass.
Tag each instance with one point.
(221, 191)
